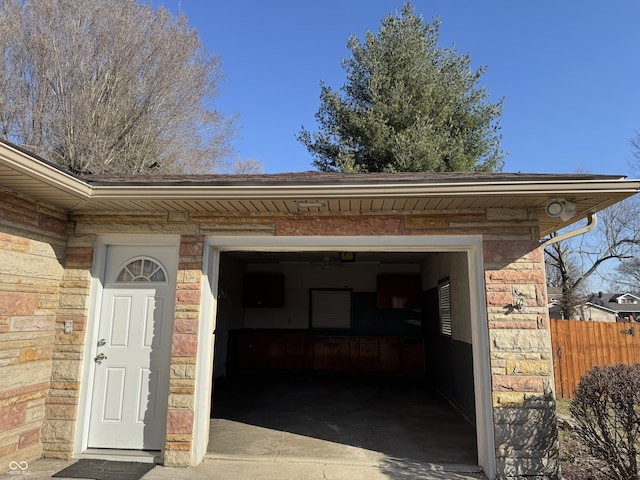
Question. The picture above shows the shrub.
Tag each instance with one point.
(606, 408)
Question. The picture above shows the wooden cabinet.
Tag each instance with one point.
(389, 355)
(399, 291)
(331, 354)
(368, 354)
(298, 352)
(263, 290)
(274, 352)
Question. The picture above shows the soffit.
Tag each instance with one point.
(426, 194)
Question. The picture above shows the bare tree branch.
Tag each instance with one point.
(571, 263)
(103, 86)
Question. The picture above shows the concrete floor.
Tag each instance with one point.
(395, 424)
(315, 428)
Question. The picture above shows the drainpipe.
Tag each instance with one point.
(591, 224)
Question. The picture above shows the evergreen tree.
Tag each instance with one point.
(408, 105)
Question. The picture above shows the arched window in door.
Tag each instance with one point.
(141, 269)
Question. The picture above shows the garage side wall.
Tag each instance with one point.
(456, 351)
(521, 359)
(32, 252)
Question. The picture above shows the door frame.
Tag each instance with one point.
(469, 244)
(91, 330)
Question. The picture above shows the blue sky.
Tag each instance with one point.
(569, 71)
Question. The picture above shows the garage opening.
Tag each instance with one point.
(363, 355)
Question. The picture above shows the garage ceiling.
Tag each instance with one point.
(328, 258)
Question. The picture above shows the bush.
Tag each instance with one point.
(606, 408)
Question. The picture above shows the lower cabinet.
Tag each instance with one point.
(390, 354)
(367, 354)
(330, 353)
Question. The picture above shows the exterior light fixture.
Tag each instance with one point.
(518, 304)
(311, 203)
(561, 208)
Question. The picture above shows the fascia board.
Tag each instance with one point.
(230, 192)
(43, 172)
(630, 295)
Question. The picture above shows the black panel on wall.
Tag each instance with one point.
(367, 319)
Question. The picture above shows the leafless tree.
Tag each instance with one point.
(626, 276)
(109, 86)
(635, 145)
(571, 263)
(562, 272)
(250, 165)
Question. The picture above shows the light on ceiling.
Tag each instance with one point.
(311, 203)
(561, 208)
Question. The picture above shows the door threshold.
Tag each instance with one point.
(141, 456)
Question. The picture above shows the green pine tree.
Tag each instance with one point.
(408, 106)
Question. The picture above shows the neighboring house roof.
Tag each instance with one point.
(616, 302)
(601, 307)
(313, 192)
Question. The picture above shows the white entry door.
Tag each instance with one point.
(131, 382)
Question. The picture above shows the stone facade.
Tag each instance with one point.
(58, 434)
(184, 351)
(521, 360)
(39, 416)
(32, 249)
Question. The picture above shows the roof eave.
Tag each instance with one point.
(43, 172)
(225, 192)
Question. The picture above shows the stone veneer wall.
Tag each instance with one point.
(521, 361)
(58, 433)
(184, 351)
(520, 347)
(32, 249)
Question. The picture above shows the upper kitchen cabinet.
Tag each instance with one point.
(398, 290)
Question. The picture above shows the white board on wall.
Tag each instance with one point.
(331, 308)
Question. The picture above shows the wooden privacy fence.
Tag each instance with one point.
(578, 346)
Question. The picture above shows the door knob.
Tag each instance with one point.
(100, 357)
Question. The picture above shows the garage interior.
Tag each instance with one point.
(354, 356)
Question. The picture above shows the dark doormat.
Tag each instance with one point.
(105, 470)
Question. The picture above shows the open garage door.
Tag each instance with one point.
(358, 354)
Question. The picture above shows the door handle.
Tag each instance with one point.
(100, 357)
